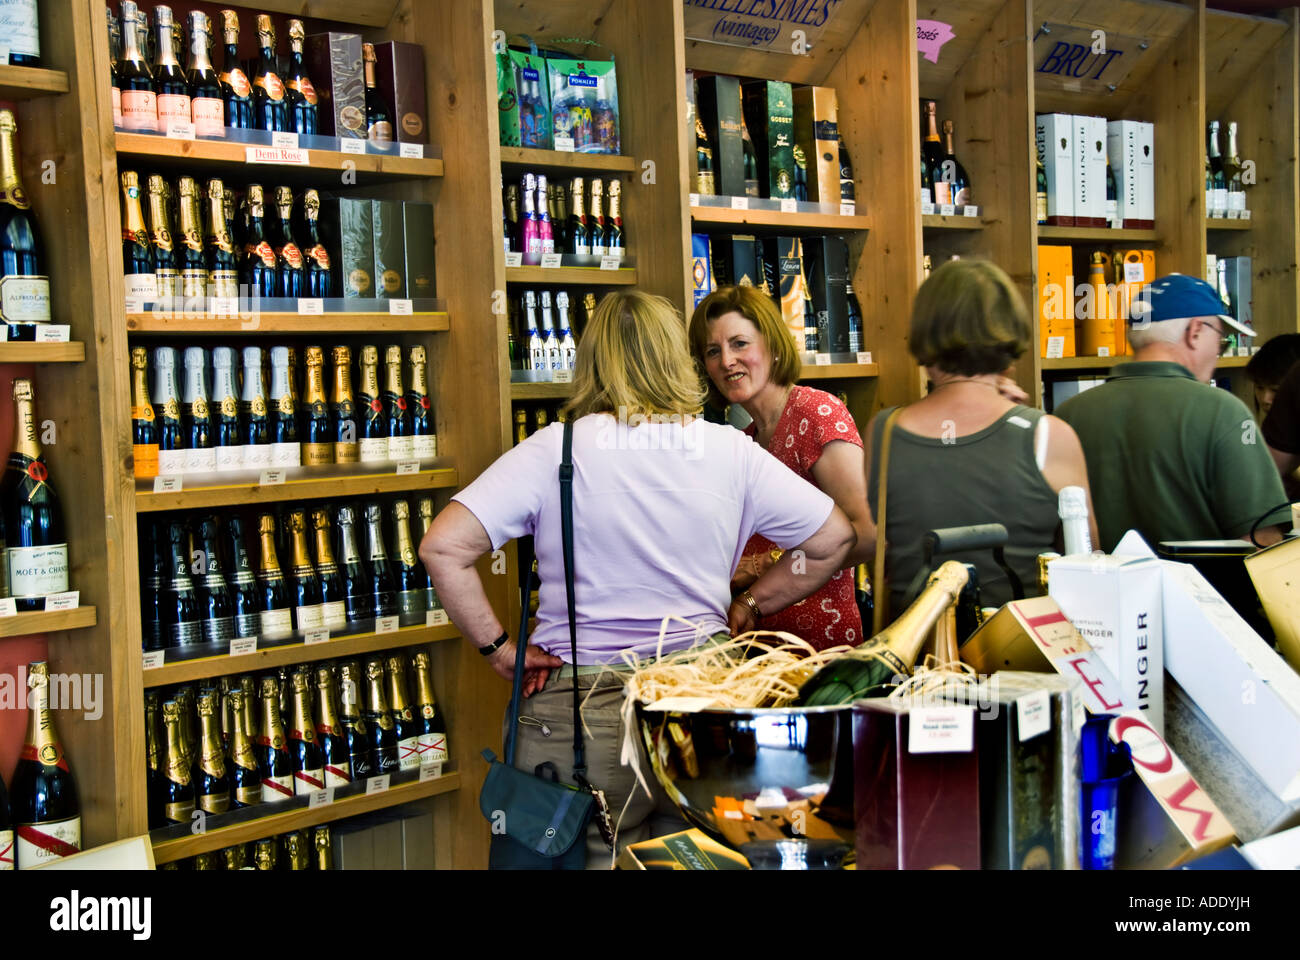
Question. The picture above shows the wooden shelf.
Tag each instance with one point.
(1222, 223)
(573, 162)
(541, 391)
(42, 621)
(839, 371)
(369, 167)
(1095, 235)
(367, 13)
(27, 83)
(306, 487)
(354, 645)
(263, 323)
(16, 352)
(572, 275)
(299, 816)
(774, 221)
(934, 221)
(1105, 363)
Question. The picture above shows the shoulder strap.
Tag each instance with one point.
(521, 651)
(566, 526)
(879, 594)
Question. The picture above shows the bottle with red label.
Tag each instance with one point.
(259, 266)
(46, 811)
(299, 93)
(236, 91)
(206, 104)
(400, 443)
(139, 103)
(170, 85)
(269, 108)
(424, 440)
(288, 255)
(316, 259)
(36, 547)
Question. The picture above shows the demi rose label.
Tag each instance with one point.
(41, 843)
(139, 111)
(25, 299)
(173, 108)
(289, 155)
(209, 117)
(38, 571)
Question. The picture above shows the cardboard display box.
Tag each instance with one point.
(688, 850)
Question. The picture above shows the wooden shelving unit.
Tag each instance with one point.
(313, 484)
(1216, 223)
(541, 391)
(935, 221)
(1099, 364)
(775, 221)
(26, 83)
(1096, 234)
(336, 324)
(578, 276)
(839, 371)
(574, 163)
(14, 352)
(46, 621)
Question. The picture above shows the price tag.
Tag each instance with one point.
(515, 259)
(386, 624)
(551, 261)
(1133, 273)
(180, 130)
(610, 263)
(53, 333)
(319, 798)
(864, 356)
(941, 730)
(278, 155)
(224, 306)
(822, 359)
(695, 200)
(969, 211)
(168, 484)
(1243, 351)
(413, 151)
(351, 145)
(153, 659)
(789, 205)
(4, 55)
(740, 203)
(400, 307)
(316, 636)
(562, 376)
(408, 466)
(436, 618)
(280, 138)
(1245, 214)
(242, 646)
(377, 784)
(9, 608)
(947, 210)
(271, 478)
(927, 209)
(1033, 714)
(63, 601)
(1055, 348)
(311, 305)
(848, 209)
(564, 144)
(430, 771)
(1103, 351)
(1233, 214)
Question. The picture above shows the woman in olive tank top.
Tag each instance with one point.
(966, 453)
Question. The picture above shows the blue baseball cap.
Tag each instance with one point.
(1178, 296)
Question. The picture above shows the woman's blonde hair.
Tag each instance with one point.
(969, 319)
(756, 307)
(633, 357)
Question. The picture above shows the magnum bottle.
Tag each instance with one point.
(196, 416)
(276, 618)
(260, 269)
(318, 441)
(397, 415)
(178, 790)
(24, 286)
(212, 788)
(316, 259)
(383, 583)
(229, 434)
(309, 613)
(932, 151)
(424, 439)
(245, 774)
(153, 761)
(181, 612)
(269, 108)
(207, 103)
(139, 105)
(283, 423)
(373, 446)
(215, 600)
(236, 91)
(343, 409)
(357, 597)
(333, 590)
(430, 724)
(274, 758)
(43, 793)
(304, 749)
(223, 273)
(614, 243)
(167, 405)
(36, 548)
(144, 428)
(357, 733)
(406, 728)
(380, 719)
(379, 118)
(140, 281)
(288, 256)
(411, 576)
(300, 94)
(170, 85)
(425, 508)
(254, 413)
(190, 258)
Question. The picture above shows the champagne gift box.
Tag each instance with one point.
(826, 267)
(719, 105)
(389, 234)
(769, 114)
(915, 809)
(348, 225)
(417, 223)
(400, 72)
(816, 131)
(334, 64)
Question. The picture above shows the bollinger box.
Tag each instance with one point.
(399, 69)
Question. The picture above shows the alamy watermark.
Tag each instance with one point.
(68, 691)
(621, 434)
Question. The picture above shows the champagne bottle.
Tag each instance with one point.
(373, 447)
(114, 56)
(236, 91)
(269, 110)
(139, 105)
(309, 613)
(425, 508)
(20, 33)
(234, 858)
(36, 548)
(932, 152)
(304, 749)
(800, 188)
(212, 789)
(847, 189)
(510, 218)
(318, 442)
(178, 790)
(530, 225)
(190, 259)
(412, 601)
(171, 88)
(406, 728)
(614, 241)
(266, 854)
(274, 759)
(401, 444)
(316, 259)
(283, 421)
(333, 590)
(43, 793)
(1218, 199)
(379, 118)
(854, 318)
(297, 850)
(424, 439)
(550, 342)
(223, 272)
(343, 409)
(537, 358)
(383, 583)
(358, 597)
(380, 720)
(247, 597)
(597, 220)
(259, 268)
(181, 613)
(430, 722)
(959, 182)
(229, 433)
(141, 282)
(144, 428)
(545, 231)
(166, 399)
(154, 779)
(215, 600)
(357, 733)
(560, 219)
(578, 231)
(196, 417)
(184, 697)
(1232, 168)
(254, 413)
(568, 348)
(288, 255)
(24, 287)
(207, 104)
(300, 94)
(276, 618)
(324, 848)
(154, 564)
(751, 160)
(245, 774)
(705, 184)
(330, 733)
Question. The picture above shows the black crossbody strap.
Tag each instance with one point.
(521, 652)
(566, 525)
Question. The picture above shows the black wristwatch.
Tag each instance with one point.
(495, 645)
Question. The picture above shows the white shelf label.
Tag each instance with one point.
(242, 646)
(280, 138)
(1245, 214)
(1233, 214)
(271, 478)
(941, 730)
(4, 55)
(1133, 273)
(313, 306)
(1055, 348)
(848, 209)
(1033, 714)
(789, 205)
(153, 659)
(63, 601)
(947, 210)
(551, 261)
(377, 784)
(400, 307)
(1243, 351)
(515, 259)
(224, 306)
(293, 156)
(319, 798)
(413, 151)
(430, 771)
(53, 333)
(969, 211)
(822, 359)
(408, 466)
(9, 608)
(564, 144)
(386, 624)
(180, 130)
(316, 636)
(740, 203)
(436, 618)
(695, 200)
(351, 145)
(927, 209)
(1103, 351)
(562, 376)
(611, 263)
(168, 484)
(864, 356)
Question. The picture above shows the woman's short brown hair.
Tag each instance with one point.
(969, 319)
(756, 307)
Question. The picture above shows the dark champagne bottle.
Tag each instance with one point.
(318, 439)
(114, 55)
(343, 409)
(316, 259)
(288, 255)
(269, 108)
(358, 597)
(43, 794)
(954, 172)
(614, 241)
(332, 588)
(254, 413)
(932, 152)
(330, 733)
(304, 748)
(24, 286)
(431, 725)
(215, 599)
(373, 442)
(140, 280)
(167, 407)
(171, 88)
(424, 439)
(283, 423)
(236, 91)
(178, 790)
(196, 417)
(190, 258)
(357, 733)
(397, 414)
(259, 271)
(154, 566)
(212, 789)
(578, 231)
(379, 117)
(411, 596)
(380, 719)
(144, 426)
(229, 434)
(274, 758)
(181, 614)
(383, 581)
(309, 613)
(751, 160)
(139, 105)
(300, 94)
(36, 547)
(425, 508)
(406, 728)
(153, 760)
(596, 222)
(245, 773)
(207, 102)
(276, 608)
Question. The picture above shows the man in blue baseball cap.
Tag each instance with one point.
(1168, 455)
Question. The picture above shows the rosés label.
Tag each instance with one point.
(173, 107)
(209, 117)
(140, 111)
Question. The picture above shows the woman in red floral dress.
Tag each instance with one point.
(750, 358)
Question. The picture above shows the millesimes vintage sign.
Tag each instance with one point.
(781, 26)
